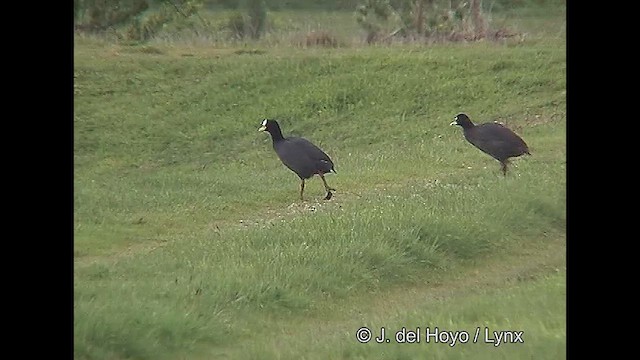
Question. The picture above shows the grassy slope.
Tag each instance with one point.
(188, 235)
(522, 291)
(172, 127)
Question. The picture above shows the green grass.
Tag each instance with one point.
(190, 241)
(536, 308)
(179, 137)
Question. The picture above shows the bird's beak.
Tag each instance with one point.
(262, 128)
(453, 123)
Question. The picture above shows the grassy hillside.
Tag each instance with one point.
(190, 240)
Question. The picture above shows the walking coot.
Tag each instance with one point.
(300, 155)
(494, 139)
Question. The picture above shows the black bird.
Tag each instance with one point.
(300, 155)
(494, 139)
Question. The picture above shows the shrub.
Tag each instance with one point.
(97, 15)
(448, 20)
(251, 23)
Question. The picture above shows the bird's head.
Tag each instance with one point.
(272, 127)
(267, 125)
(462, 120)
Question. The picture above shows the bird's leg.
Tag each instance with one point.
(329, 193)
(504, 167)
(325, 183)
(301, 189)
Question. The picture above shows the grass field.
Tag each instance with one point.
(190, 241)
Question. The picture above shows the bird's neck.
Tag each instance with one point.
(276, 135)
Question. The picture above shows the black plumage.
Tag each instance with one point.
(494, 139)
(300, 155)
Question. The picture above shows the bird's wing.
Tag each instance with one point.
(304, 153)
(308, 147)
(498, 140)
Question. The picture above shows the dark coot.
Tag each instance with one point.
(494, 139)
(300, 155)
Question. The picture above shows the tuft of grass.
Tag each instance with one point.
(317, 39)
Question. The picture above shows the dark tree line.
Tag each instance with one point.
(381, 19)
(140, 19)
